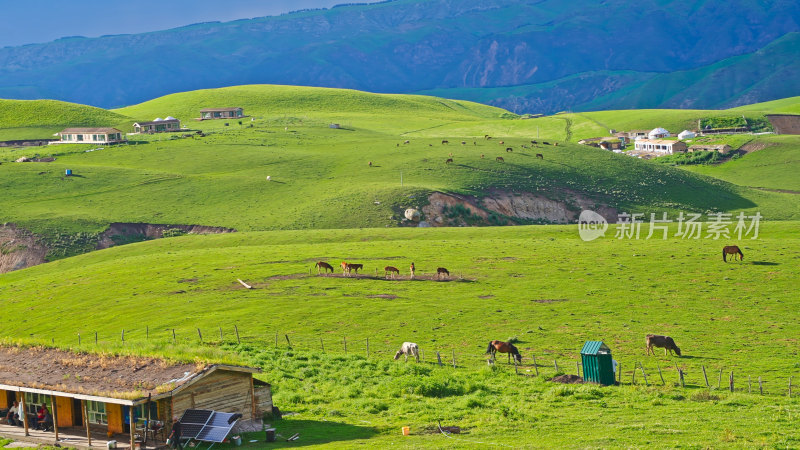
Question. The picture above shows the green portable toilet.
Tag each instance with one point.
(598, 367)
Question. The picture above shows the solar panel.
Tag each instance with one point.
(207, 426)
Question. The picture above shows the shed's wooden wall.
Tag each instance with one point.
(224, 391)
(64, 405)
(263, 400)
(4, 399)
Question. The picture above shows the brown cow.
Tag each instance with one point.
(500, 159)
(449, 160)
(665, 342)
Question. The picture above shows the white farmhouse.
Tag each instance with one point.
(663, 146)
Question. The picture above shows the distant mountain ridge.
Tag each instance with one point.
(537, 56)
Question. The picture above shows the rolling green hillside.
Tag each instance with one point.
(540, 285)
(321, 177)
(39, 119)
(789, 105)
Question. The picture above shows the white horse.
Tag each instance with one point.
(408, 348)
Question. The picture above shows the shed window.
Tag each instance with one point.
(34, 401)
(96, 412)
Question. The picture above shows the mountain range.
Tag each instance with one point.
(529, 56)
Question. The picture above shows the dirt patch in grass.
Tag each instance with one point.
(485, 296)
(550, 300)
(189, 280)
(386, 296)
(567, 379)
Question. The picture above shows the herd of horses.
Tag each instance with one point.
(495, 347)
(389, 271)
(451, 160)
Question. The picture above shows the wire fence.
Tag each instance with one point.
(647, 372)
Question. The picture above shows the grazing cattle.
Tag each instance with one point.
(412, 269)
(503, 347)
(370, 163)
(408, 348)
(502, 142)
(545, 143)
(449, 160)
(481, 155)
(445, 142)
(666, 342)
(391, 270)
(441, 271)
(463, 142)
(500, 159)
(732, 250)
(322, 265)
(487, 137)
(555, 143)
(509, 149)
(540, 156)
(406, 142)
(534, 142)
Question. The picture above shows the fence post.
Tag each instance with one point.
(147, 332)
(680, 372)
(705, 376)
(578, 368)
(633, 375)
(236, 329)
(322, 344)
(555, 362)
(731, 381)
(95, 338)
(289, 343)
(719, 382)
(276, 338)
(220, 335)
(454, 366)
(174, 338)
(535, 366)
(749, 385)
(200, 335)
(790, 387)
(643, 374)
(660, 375)
(79, 340)
(368, 343)
(760, 386)
(439, 358)
(123, 335)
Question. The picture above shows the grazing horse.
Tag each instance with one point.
(545, 143)
(354, 268)
(445, 142)
(406, 142)
(408, 348)
(502, 142)
(344, 268)
(732, 250)
(322, 265)
(503, 347)
(654, 340)
(534, 142)
(500, 159)
(540, 156)
(412, 269)
(509, 149)
(442, 271)
(449, 160)
(391, 270)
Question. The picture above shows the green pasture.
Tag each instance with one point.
(321, 177)
(540, 285)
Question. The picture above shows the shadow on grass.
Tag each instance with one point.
(312, 432)
(764, 263)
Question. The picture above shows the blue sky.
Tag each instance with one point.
(34, 21)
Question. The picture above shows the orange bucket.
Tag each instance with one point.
(406, 431)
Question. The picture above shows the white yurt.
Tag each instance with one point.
(657, 133)
(686, 134)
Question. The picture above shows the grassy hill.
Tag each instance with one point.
(789, 105)
(39, 119)
(540, 285)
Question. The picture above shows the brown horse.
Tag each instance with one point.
(503, 347)
(732, 250)
(324, 266)
(500, 159)
(442, 271)
(354, 267)
(540, 156)
(449, 160)
(391, 270)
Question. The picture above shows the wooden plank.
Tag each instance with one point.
(132, 427)
(114, 418)
(55, 416)
(86, 421)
